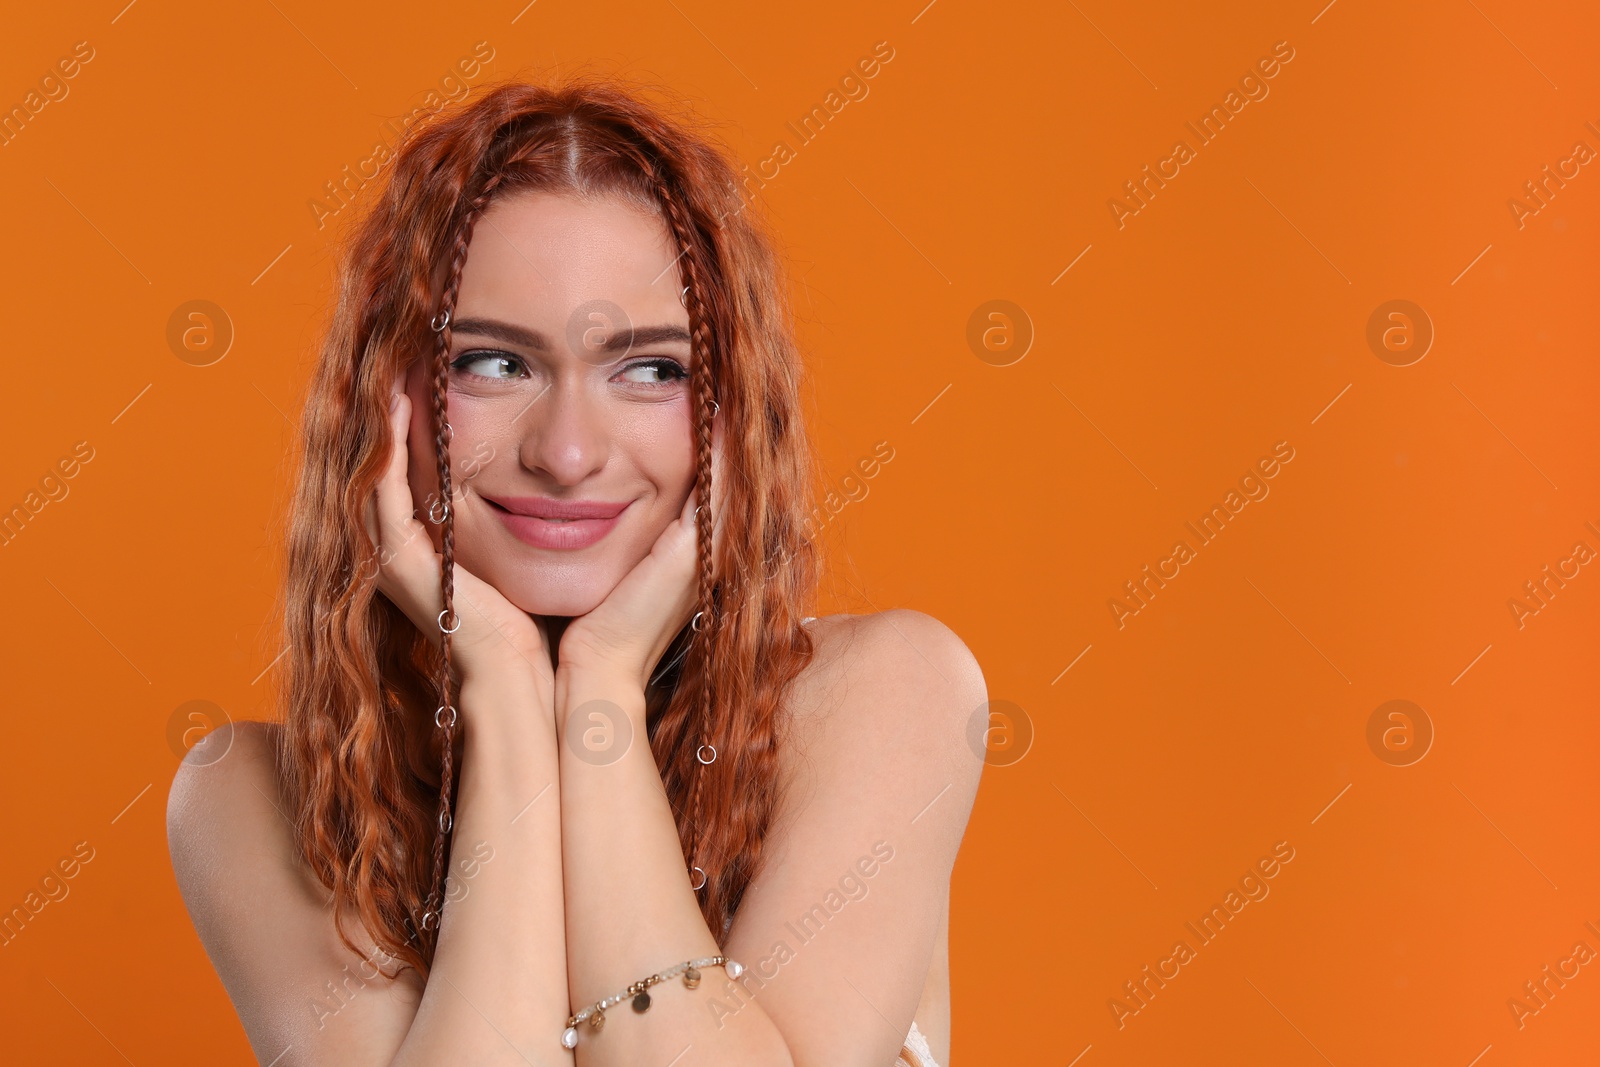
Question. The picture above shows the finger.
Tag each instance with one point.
(719, 485)
(690, 502)
(408, 566)
(390, 504)
(370, 512)
(689, 526)
(369, 517)
(396, 505)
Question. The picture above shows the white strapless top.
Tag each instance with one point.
(919, 1045)
(915, 1042)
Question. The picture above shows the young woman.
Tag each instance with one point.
(564, 773)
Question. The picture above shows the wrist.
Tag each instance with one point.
(507, 733)
(577, 682)
(488, 698)
(504, 672)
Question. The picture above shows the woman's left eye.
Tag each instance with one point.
(659, 372)
(497, 365)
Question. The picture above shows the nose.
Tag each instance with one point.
(565, 434)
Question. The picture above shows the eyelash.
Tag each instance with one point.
(675, 371)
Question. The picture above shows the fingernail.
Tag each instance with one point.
(394, 402)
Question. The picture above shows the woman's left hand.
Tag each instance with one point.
(628, 632)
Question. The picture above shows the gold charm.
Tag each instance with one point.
(691, 977)
(597, 1020)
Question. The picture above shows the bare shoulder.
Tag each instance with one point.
(900, 650)
(223, 800)
(877, 780)
(265, 921)
(226, 809)
(242, 753)
(888, 704)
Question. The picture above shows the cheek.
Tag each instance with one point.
(480, 435)
(672, 470)
(484, 444)
(675, 466)
(481, 428)
(657, 443)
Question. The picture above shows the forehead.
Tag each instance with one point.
(539, 254)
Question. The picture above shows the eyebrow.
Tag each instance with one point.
(620, 341)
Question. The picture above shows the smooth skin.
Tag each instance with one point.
(567, 878)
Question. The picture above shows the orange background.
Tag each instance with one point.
(1229, 314)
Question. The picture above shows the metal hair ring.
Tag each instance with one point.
(440, 321)
(430, 919)
(715, 407)
(694, 623)
(441, 508)
(699, 754)
(444, 822)
(438, 717)
(452, 629)
(692, 883)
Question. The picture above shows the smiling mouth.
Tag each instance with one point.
(554, 533)
(553, 522)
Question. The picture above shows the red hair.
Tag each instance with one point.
(368, 772)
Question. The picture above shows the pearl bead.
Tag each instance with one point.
(734, 968)
(569, 1037)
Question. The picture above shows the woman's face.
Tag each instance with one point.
(549, 420)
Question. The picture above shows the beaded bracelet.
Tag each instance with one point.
(641, 998)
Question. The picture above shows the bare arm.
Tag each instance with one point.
(838, 929)
(264, 920)
(842, 922)
(497, 987)
(497, 991)
(630, 908)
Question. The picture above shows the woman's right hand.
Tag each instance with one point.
(494, 636)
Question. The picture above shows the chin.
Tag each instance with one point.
(541, 589)
(569, 603)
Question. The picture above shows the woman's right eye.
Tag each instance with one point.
(497, 366)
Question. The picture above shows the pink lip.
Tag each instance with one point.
(528, 520)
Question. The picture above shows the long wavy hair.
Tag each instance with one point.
(368, 729)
